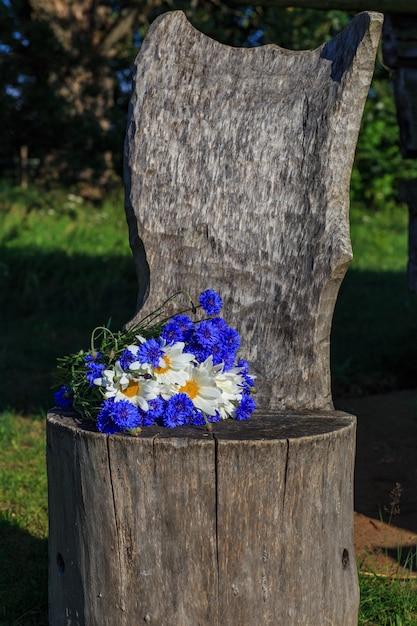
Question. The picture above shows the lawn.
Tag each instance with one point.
(66, 267)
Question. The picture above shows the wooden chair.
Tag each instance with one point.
(237, 173)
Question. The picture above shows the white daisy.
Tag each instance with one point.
(201, 387)
(230, 383)
(174, 362)
(226, 410)
(125, 386)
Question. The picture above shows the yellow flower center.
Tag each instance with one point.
(163, 369)
(132, 389)
(190, 388)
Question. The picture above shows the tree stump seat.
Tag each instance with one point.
(237, 170)
(186, 527)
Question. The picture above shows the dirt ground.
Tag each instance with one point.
(385, 481)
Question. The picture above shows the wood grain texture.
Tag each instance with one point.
(249, 524)
(237, 172)
(83, 541)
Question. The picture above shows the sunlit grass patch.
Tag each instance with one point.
(387, 601)
(23, 521)
(23, 496)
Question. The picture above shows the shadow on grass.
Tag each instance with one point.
(404, 556)
(50, 302)
(23, 577)
(374, 336)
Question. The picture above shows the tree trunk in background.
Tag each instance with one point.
(88, 36)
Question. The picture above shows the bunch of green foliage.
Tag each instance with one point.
(66, 82)
(379, 167)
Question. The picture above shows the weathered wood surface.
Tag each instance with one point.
(249, 524)
(237, 172)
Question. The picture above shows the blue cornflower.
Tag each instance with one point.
(64, 397)
(92, 356)
(211, 302)
(150, 352)
(200, 352)
(246, 407)
(230, 340)
(244, 365)
(94, 371)
(105, 422)
(185, 324)
(220, 323)
(214, 418)
(155, 412)
(249, 382)
(125, 415)
(172, 332)
(207, 334)
(126, 359)
(179, 410)
(218, 350)
(218, 353)
(198, 418)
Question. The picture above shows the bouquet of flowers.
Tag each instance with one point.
(170, 372)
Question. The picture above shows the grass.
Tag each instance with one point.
(374, 345)
(23, 521)
(386, 601)
(65, 267)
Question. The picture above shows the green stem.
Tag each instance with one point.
(104, 330)
(148, 319)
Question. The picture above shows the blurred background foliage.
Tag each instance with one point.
(65, 72)
(65, 263)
